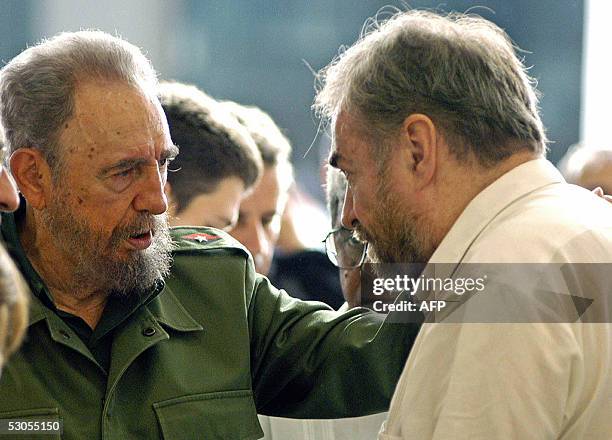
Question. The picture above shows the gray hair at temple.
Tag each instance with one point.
(461, 71)
(335, 189)
(37, 87)
(13, 306)
(273, 145)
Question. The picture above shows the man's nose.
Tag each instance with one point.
(152, 197)
(9, 200)
(256, 241)
(349, 219)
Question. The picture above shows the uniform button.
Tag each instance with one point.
(64, 334)
(149, 331)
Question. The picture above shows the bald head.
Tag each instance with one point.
(588, 167)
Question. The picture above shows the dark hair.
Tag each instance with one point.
(274, 147)
(213, 144)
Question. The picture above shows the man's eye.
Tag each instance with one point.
(353, 241)
(122, 180)
(125, 173)
(164, 162)
(265, 221)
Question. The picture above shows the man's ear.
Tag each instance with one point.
(419, 138)
(32, 175)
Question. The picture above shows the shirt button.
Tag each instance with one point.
(64, 334)
(149, 331)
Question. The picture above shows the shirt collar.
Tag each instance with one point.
(489, 203)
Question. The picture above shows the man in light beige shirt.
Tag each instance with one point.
(437, 130)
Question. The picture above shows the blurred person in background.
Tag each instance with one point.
(306, 273)
(344, 250)
(13, 306)
(13, 291)
(589, 167)
(218, 164)
(347, 254)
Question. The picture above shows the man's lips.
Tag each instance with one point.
(141, 241)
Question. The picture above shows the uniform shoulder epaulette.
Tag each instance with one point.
(192, 238)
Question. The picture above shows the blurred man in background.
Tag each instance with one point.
(306, 273)
(588, 167)
(259, 221)
(219, 162)
(344, 250)
(13, 293)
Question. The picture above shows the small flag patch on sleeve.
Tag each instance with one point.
(201, 237)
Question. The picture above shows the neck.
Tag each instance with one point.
(55, 268)
(449, 202)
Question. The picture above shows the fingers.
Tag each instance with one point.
(599, 192)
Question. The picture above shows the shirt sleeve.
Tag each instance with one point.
(309, 361)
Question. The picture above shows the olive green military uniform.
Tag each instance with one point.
(200, 356)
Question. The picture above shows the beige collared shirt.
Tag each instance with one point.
(514, 381)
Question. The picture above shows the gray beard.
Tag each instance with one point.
(395, 236)
(94, 259)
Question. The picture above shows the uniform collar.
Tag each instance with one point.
(490, 202)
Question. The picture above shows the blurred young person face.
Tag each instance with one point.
(350, 279)
(259, 217)
(13, 296)
(218, 208)
(9, 200)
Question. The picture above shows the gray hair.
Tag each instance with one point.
(459, 70)
(273, 145)
(37, 87)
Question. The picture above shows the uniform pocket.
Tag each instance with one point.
(36, 429)
(226, 415)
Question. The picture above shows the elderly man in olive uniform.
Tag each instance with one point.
(135, 333)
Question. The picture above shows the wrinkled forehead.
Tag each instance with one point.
(114, 116)
(341, 124)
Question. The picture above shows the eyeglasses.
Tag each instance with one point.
(343, 249)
